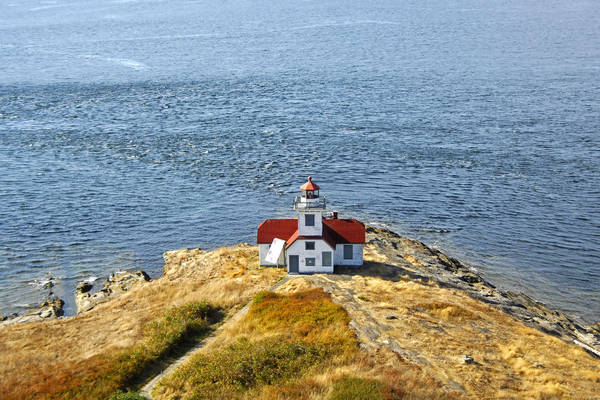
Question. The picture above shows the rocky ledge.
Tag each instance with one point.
(49, 309)
(115, 286)
(85, 300)
(424, 263)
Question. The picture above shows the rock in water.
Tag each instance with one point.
(115, 286)
(49, 309)
(83, 287)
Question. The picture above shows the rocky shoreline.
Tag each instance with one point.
(115, 286)
(85, 298)
(409, 257)
(424, 263)
(51, 308)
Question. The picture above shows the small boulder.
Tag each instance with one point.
(83, 287)
(49, 309)
(470, 278)
(125, 280)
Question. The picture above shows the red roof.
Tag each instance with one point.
(346, 230)
(276, 228)
(335, 231)
(309, 185)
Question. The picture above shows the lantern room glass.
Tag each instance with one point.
(310, 194)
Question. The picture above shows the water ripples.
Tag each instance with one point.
(167, 133)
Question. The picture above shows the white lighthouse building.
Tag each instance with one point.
(315, 241)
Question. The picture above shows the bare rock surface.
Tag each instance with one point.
(51, 308)
(115, 286)
(178, 261)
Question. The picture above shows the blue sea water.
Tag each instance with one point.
(131, 127)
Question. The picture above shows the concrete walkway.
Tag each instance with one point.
(147, 388)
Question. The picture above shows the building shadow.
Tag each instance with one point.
(381, 270)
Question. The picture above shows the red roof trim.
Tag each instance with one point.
(291, 239)
(327, 238)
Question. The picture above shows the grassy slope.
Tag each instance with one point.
(68, 352)
(103, 375)
(298, 344)
(293, 346)
(434, 327)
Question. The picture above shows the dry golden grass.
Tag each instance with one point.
(434, 327)
(438, 325)
(105, 374)
(299, 315)
(371, 253)
(280, 338)
(64, 349)
(397, 379)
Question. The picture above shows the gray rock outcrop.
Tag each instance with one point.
(49, 309)
(115, 286)
(424, 263)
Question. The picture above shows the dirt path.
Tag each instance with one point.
(147, 388)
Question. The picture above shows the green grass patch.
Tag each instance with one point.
(310, 316)
(286, 337)
(351, 388)
(314, 307)
(168, 337)
(164, 339)
(120, 395)
(229, 373)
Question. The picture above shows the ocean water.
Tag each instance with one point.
(129, 127)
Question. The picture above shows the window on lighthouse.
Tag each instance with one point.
(309, 220)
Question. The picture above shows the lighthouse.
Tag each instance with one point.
(310, 208)
(315, 241)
